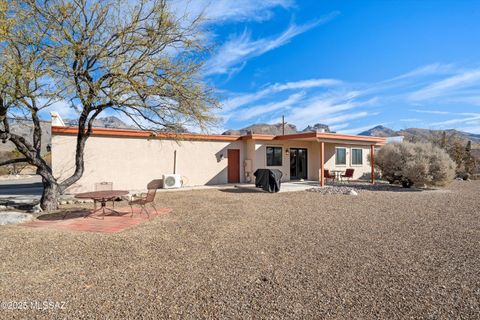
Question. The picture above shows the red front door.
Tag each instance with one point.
(233, 165)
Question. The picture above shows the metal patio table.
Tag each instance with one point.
(338, 174)
(103, 197)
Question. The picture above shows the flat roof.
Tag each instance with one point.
(304, 136)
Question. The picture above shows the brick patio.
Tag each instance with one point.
(74, 220)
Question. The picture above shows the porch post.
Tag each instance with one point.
(372, 162)
(322, 164)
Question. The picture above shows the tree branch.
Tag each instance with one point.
(11, 161)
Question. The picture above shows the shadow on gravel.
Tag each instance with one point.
(242, 190)
(384, 187)
(64, 214)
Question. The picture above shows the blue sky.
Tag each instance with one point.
(349, 64)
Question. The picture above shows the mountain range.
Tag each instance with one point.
(419, 134)
(275, 129)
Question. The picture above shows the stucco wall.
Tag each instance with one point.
(361, 171)
(130, 163)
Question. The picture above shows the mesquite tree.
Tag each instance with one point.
(134, 57)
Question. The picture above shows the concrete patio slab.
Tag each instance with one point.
(74, 220)
(290, 186)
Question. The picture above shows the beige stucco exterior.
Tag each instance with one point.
(130, 162)
(313, 156)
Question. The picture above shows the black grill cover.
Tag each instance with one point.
(268, 179)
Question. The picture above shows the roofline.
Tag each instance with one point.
(216, 137)
(332, 136)
(144, 134)
(317, 135)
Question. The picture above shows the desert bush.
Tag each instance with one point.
(415, 164)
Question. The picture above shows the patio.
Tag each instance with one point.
(75, 220)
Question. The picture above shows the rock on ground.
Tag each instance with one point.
(13, 217)
(334, 190)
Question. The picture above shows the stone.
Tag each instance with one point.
(36, 209)
(13, 217)
(352, 193)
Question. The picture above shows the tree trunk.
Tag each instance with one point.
(50, 196)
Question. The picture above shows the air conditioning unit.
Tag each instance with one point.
(172, 181)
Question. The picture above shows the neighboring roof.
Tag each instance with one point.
(305, 136)
(395, 139)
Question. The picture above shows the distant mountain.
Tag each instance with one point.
(25, 129)
(419, 134)
(263, 128)
(105, 122)
(317, 127)
(274, 129)
(379, 131)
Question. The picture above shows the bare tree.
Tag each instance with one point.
(134, 57)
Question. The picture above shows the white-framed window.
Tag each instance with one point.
(340, 156)
(274, 156)
(357, 156)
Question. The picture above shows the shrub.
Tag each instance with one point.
(415, 164)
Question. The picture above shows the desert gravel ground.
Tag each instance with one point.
(229, 254)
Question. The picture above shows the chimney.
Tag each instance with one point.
(56, 119)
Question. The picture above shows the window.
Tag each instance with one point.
(274, 156)
(341, 156)
(357, 156)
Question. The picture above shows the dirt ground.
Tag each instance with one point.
(241, 254)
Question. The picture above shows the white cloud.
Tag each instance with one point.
(64, 109)
(468, 120)
(448, 86)
(427, 70)
(234, 53)
(221, 11)
(329, 108)
(259, 110)
(345, 117)
(246, 99)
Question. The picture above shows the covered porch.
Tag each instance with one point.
(309, 156)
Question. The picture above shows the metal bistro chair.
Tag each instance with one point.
(328, 175)
(146, 198)
(103, 186)
(348, 174)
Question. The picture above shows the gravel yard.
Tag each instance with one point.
(241, 254)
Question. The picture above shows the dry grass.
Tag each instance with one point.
(255, 255)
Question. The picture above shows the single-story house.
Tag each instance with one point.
(131, 158)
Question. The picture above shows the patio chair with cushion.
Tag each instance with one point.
(328, 175)
(145, 198)
(348, 174)
(103, 186)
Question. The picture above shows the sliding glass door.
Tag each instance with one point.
(298, 163)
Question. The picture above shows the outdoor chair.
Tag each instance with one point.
(348, 174)
(328, 175)
(145, 198)
(103, 186)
